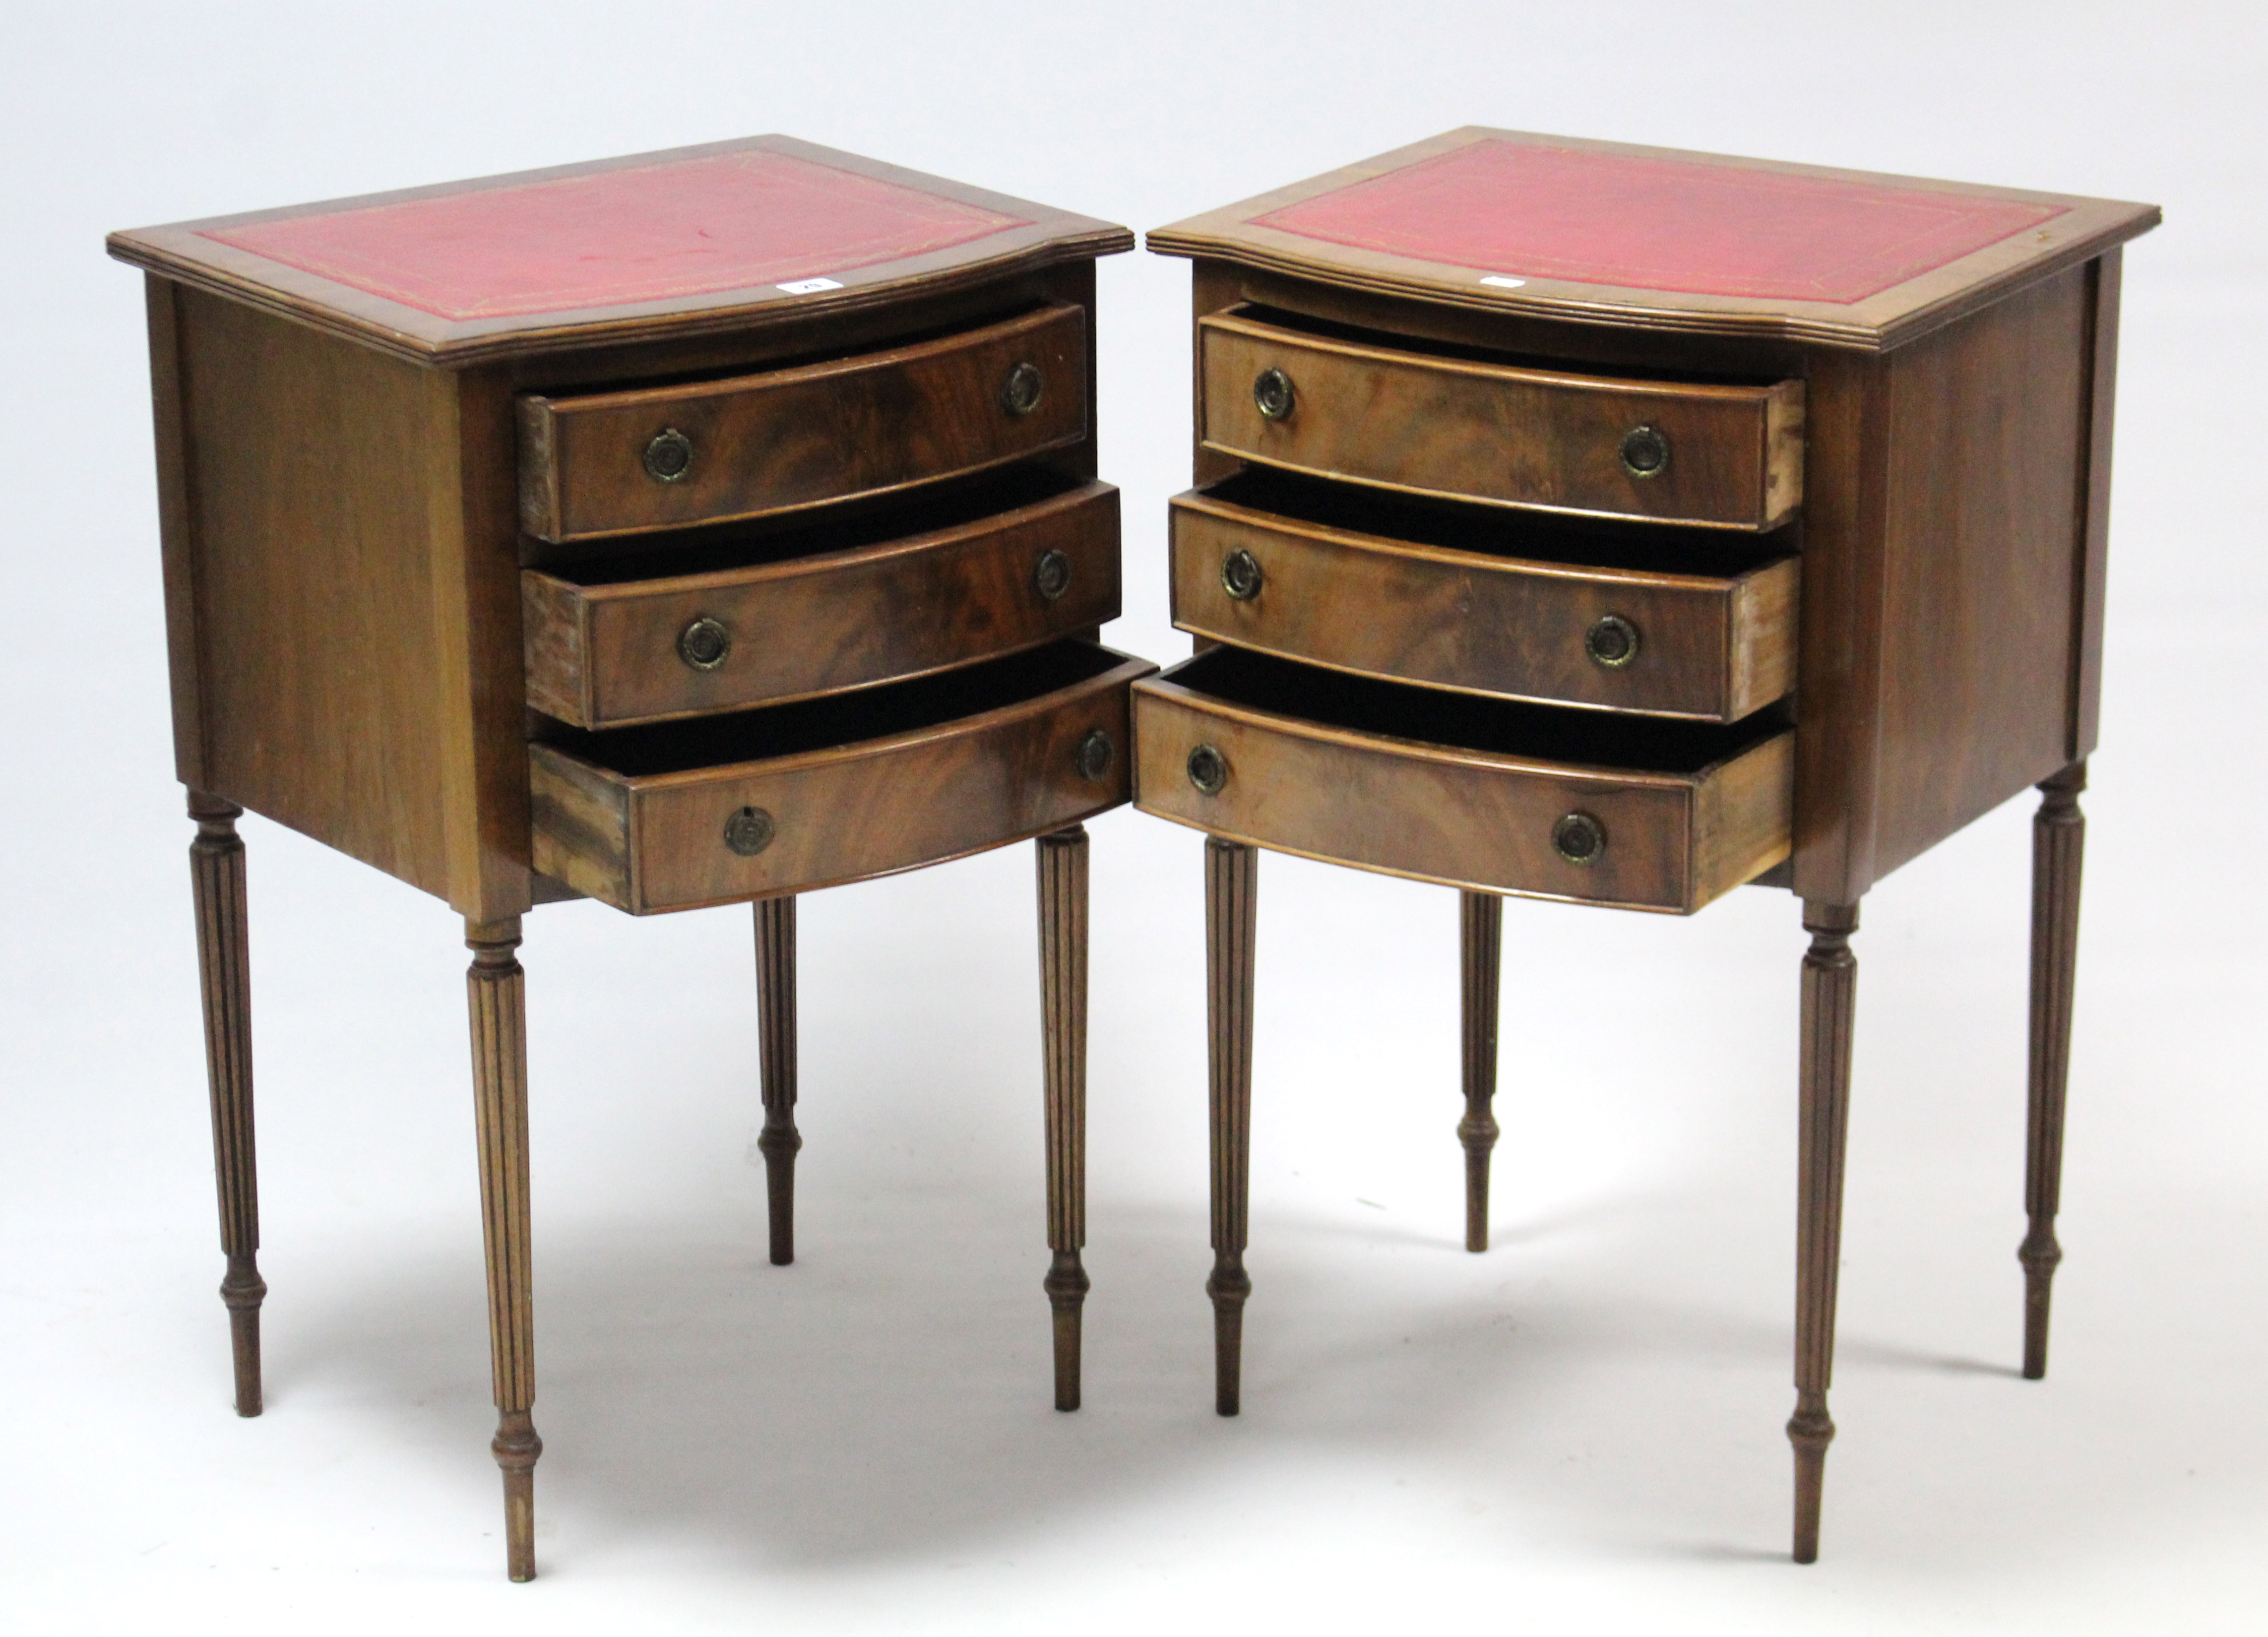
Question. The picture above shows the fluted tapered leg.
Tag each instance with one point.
(1831, 988)
(1481, 943)
(496, 994)
(224, 971)
(779, 1139)
(1232, 880)
(1061, 859)
(2058, 842)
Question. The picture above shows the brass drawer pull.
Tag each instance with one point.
(668, 456)
(1095, 755)
(1579, 838)
(705, 644)
(750, 831)
(1051, 575)
(1272, 393)
(1239, 575)
(1020, 393)
(1612, 642)
(1646, 451)
(1208, 769)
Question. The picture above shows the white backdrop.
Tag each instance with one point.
(1581, 1430)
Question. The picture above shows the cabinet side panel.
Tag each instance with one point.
(176, 529)
(2095, 539)
(313, 600)
(1987, 418)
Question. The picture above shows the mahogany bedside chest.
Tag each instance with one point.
(693, 528)
(1620, 525)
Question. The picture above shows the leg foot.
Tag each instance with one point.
(779, 1140)
(1232, 880)
(1830, 987)
(225, 971)
(1481, 923)
(2059, 843)
(1062, 861)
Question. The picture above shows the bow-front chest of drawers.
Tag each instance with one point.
(699, 527)
(1618, 525)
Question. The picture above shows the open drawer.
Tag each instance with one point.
(795, 797)
(1669, 621)
(1486, 794)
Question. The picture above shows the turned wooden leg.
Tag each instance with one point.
(776, 1030)
(2058, 841)
(1481, 923)
(1232, 880)
(1830, 989)
(224, 969)
(1063, 1034)
(495, 993)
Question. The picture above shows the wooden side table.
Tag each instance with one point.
(1620, 525)
(697, 527)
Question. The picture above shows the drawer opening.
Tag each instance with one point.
(1518, 536)
(1471, 721)
(833, 719)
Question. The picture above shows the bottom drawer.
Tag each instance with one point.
(1501, 797)
(798, 796)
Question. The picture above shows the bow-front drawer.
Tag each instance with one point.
(800, 796)
(1483, 793)
(711, 451)
(813, 610)
(1449, 421)
(1626, 617)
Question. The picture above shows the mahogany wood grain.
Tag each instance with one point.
(603, 652)
(2058, 846)
(1484, 606)
(1831, 988)
(1231, 903)
(1500, 431)
(779, 1141)
(867, 425)
(1061, 860)
(1480, 966)
(2102, 359)
(855, 786)
(225, 974)
(496, 996)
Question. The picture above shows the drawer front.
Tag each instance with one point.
(1727, 456)
(607, 655)
(1464, 818)
(679, 841)
(629, 462)
(1663, 645)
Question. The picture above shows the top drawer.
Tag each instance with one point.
(706, 452)
(1727, 456)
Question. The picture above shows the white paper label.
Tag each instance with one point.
(809, 286)
(1497, 279)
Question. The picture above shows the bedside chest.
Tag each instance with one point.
(697, 527)
(1621, 526)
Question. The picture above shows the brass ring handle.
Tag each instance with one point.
(1611, 642)
(1272, 394)
(1239, 575)
(750, 831)
(1021, 392)
(1646, 451)
(668, 456)
(705, 645)
(1095, 755)
(1208, 769)
(1051, 575)
(1579, 838)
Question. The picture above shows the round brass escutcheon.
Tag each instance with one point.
(1579, 838)
(1646, 451)
(1272, 393)
(750, 831)
(1611, 642)
(1208, 769)
(1095, 755)
(705, 644)
(1239, 575)
(1051, 575)
(668, 456)
(1020, 393)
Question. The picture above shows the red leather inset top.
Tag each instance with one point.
(612, 238)
(1657, 224)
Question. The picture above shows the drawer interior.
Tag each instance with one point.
(833, 719)
(1471, 721)
(1647, 548)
